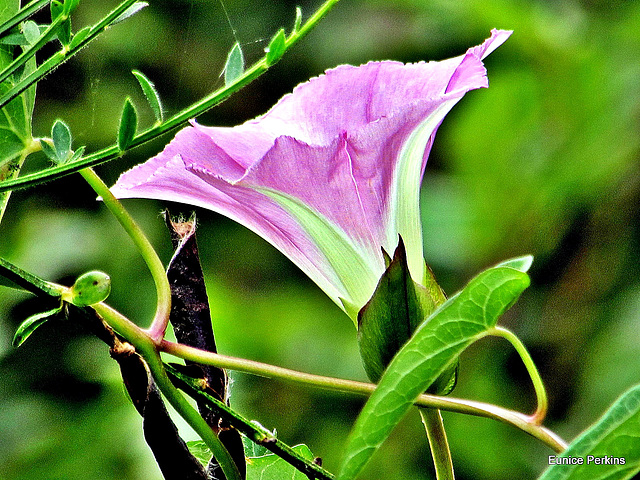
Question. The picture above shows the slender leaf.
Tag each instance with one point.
(30, 325)
(77, 154)
(276, 48)
(298, 21)
(56, 8)
(609, 450)
(434, 347)
(70, 6)
(11, 275)
(128, 125)
(131, 11)
(151, 94)
(234, 67)
(79, 36)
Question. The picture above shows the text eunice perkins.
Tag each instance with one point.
(588, 460)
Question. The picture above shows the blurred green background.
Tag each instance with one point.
(545, 161)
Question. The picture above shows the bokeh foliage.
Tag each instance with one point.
(545, 162)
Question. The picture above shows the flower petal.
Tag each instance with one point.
(331, 174)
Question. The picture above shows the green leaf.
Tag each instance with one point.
(61, 136)
(79, 37)
(201, 451)
(298, 23)
(56, 8)
(13, 276)
(49, 151)
(390, 317)
(234, 67)
(129, 12)
(128, 125)
(77, 154)
(272, 467)
(151, 94)
(70, 6)
(252, 449)
(31, 32)
(521, 263)
(30, 325)
(609, 450)
(276, 48)
(64, 32)
(434, 347)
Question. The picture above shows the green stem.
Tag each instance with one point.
(62, 55)
(440, 451)
(163, 290)
(251, 430)
(23, 14)
(147, 348)
(31, 51)
(468, 407)
(541, 394)
(194, 110)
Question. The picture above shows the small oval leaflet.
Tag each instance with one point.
(61, 136)
(90, 288)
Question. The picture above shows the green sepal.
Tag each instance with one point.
(151, 94)
(30, 325)
(390, 317)
(234, 67)
(128, 125)
(276, 48)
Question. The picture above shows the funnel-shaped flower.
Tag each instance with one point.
(331, 174)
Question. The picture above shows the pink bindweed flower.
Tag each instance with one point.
(331, 174)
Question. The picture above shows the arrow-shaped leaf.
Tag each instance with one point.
(609, 450)
(434, 347)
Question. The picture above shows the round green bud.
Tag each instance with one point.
(90, 288)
